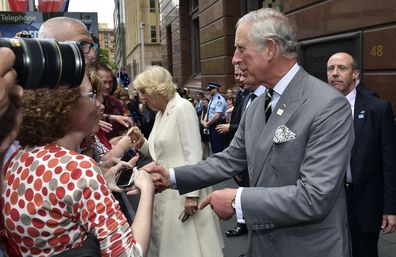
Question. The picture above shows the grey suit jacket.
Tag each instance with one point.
(296, 203)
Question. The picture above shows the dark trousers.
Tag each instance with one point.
(363, 244)
(216, 140)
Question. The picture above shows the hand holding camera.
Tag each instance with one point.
(7, 77)
(46, 63)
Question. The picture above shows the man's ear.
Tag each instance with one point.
(355, 74)
(271, 49)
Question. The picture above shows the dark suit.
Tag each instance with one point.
(373, 168)
(366, 91)
(236, 115)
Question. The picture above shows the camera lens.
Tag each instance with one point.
(46, 63)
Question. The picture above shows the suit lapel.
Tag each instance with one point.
(359, 117)
(161, 121)
(289, 102)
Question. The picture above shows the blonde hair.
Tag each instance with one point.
(96, 81)
(156, 81)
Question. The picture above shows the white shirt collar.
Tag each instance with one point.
(351, 97)
(282, 84)
(259, 90)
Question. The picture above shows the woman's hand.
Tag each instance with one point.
(142, 183)
(105, 126)
(110, 175)
(191, 205)
(123, 120)
(136, 137)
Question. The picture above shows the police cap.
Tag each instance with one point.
(212, 85)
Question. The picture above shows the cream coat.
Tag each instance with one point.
(173, 142)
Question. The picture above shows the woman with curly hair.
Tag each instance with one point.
(53, 196)
(179, 229)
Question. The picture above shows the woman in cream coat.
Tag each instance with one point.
(175, 141)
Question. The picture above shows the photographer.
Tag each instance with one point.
(10, 95)
(10, 115)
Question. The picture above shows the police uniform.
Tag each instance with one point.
(217, 104)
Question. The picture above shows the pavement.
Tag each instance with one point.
(387, 245)
(236, 246)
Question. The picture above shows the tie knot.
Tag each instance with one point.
(270, 92)
(252, 96)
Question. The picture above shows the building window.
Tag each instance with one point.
(153, 34)
(195, 45)
(193, 5)
(169, 50)
(152, 5)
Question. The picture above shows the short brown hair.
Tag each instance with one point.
(46, 114)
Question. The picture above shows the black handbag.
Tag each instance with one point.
(89, 248)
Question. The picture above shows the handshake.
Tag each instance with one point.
(221, 201)
(159, 175)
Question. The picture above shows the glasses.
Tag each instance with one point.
(184, 216)
(91, 95)
(87, 46)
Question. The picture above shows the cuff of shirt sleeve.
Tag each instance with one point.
(172, 178)
(238, 207)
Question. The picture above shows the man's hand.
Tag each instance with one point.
(388, 223)
(105, 126)
(159, 175)
(223, 128)
(220, 201)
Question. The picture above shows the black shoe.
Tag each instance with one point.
(238, 230)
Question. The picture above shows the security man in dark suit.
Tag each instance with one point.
(364, 90)
(371, 176)
(227, 130)
(214, 116)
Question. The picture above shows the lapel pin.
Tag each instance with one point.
(284, 105)
(361, 114)
(279, 112)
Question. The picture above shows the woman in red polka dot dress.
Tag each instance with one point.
(53, 196)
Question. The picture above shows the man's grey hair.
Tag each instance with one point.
(269, 23)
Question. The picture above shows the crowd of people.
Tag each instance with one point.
(313, 179)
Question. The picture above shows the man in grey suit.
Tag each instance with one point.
(296, 158)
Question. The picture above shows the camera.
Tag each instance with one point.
(46, 63)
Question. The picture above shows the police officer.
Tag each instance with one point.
(214, 116)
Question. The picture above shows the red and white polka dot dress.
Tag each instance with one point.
(52, 196)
